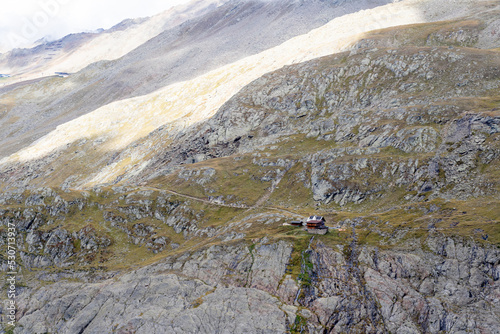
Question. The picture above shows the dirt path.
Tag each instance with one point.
(259, 203)
(237, 206)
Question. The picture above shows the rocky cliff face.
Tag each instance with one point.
(289, 281)
(443, 284)
(395, 141)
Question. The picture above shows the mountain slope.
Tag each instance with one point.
(166, 105)
(183, 51)
(76, 51)
(30, 117)
(165, 213)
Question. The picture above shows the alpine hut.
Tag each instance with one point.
(316, 225)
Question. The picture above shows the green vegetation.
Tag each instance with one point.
(299, 247)
(299, 325)
(237, 181)
(304, 277)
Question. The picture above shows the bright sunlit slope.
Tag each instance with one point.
(224, 35)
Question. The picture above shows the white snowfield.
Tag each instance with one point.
(121, 123)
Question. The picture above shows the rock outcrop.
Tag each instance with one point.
(446, 284)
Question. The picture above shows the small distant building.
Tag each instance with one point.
(62, 74)
(313, 224)
(316, 225)
(296, 223)
(4, 75)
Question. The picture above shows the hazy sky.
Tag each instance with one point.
(24, 21)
